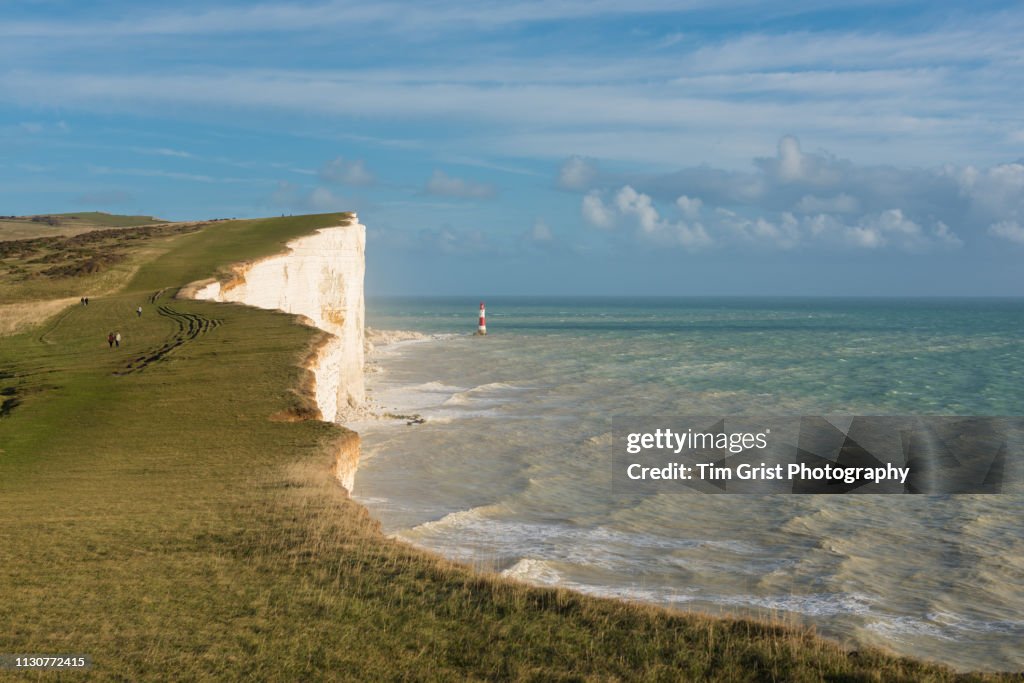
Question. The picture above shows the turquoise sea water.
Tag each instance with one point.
(510, 469)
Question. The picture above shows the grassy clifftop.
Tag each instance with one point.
(51, 224)
(154, 518)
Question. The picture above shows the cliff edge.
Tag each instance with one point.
(320, 277)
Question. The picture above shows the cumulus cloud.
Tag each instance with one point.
(577, 173)
(689, 206)
(797, 197)
(629, 201)
(997, 192)
(442, 184)
(338, 170)
(784, 233)
(720, 226)
(889, 228)
(596, 213)
(791, 165)
(945, 236)
(638, 209)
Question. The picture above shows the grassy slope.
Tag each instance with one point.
(159, 522)
(69, 224)
(110, 220)
(94, 262)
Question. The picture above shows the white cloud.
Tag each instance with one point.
(791, 160)
(690, 206)
(946, 237)
(783, 234)
(610, 119)
(163, 152)
(338, 170)
(791, 165)
(996, 190)
(837, 201)
(949, 91)
(577, 173)
(888, 228)
(1008, 230)
(638, 208)
(596, 213)
(890, 225)
(866, 237)
(442, 184)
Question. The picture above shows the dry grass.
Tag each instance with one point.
(15, 318)
(66, 224)
(92, 263)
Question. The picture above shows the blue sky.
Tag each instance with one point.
(560, 147)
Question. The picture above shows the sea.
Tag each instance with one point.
(509, 468)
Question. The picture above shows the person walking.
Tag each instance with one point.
(138, 311)
(117, 340)
(110, 340)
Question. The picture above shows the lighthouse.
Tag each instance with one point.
(482, 327)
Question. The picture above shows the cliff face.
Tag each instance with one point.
(319, 277)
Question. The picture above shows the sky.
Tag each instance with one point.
(563, 147)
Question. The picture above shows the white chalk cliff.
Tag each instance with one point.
(320, 277)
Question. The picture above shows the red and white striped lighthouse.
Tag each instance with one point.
(482, 328)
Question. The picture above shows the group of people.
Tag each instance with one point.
(84, 300)
(113, 338)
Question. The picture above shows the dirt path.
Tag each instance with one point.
(190, 326)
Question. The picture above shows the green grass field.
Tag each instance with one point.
(155, 519)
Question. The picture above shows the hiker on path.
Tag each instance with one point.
(138, 311)
(110, 340)
(117, 340)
